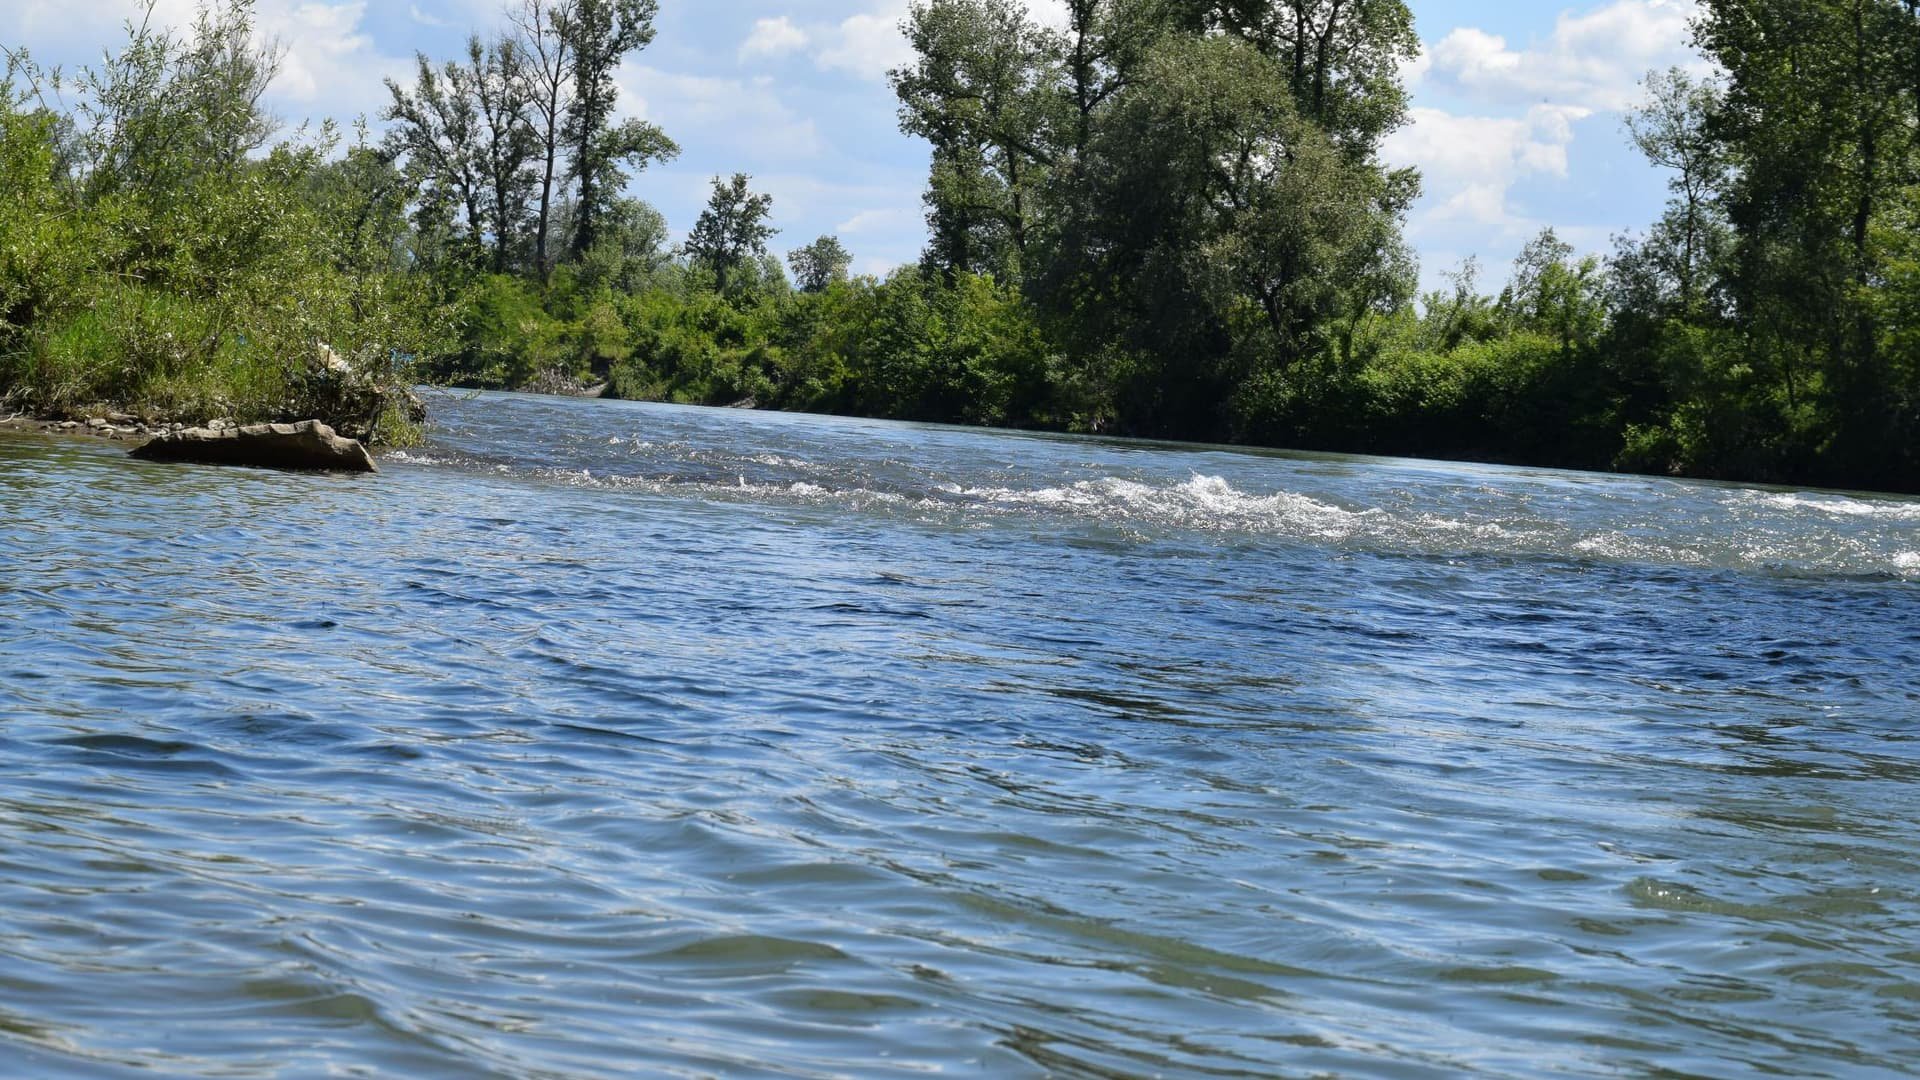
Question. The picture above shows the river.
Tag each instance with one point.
(604, 739)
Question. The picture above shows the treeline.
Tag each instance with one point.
(1167, 218)
(1189, 195)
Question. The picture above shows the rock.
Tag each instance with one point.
(309, 445)
(70, 425)
(96, 423)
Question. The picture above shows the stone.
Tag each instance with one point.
(309, 446)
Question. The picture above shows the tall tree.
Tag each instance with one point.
(601, 34)
(1193, 185)
(545, 34)
(436, 130)
(1340, 59)
(1221, 223)
(978, 92)
(820, 264)
(1820, 121)
(507, 143)
(731, 230)
(1672, 127)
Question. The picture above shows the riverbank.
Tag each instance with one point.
(117, 426)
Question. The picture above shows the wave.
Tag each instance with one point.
(1211, 504)
(1840, 505)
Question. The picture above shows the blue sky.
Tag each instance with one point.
(1517, 120)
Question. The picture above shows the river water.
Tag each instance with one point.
(603, 739)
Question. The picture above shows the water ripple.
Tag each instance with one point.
(598, 739)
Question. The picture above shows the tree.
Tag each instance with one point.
(169, 109)
(601, 33)
(631, 249)
(1819, 119)
(731, 230)
(1339, 59)
(820, 264)
(1222, 232)
(544, 29)
(1673, 129)
(1553, 292)
(498, 77)
(436, 130)
(1191, 189)
(979, 93)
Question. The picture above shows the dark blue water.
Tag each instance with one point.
(600, 739)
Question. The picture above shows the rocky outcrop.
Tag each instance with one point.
(309, 445)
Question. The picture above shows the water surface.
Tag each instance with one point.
(597, 739)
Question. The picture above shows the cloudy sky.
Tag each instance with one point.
(1516, 125)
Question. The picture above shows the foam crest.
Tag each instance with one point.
(1841, 505)
(1201, 502)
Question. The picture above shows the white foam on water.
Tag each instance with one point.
(1839, 505)
(1207, 503)
(1202, 502)
(417, 457)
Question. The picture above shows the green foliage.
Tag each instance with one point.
(600, 34)
(820, 265)
(731, 231)
(505, 335)
(1819, 121)
(1161, 217)
(171, 265)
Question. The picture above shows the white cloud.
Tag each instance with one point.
(870, 44)
(326, 59)
(1470, 164)
(733, 114)
(425, 19)
(773, 37)
(876, 265)
(1593, 60)
(882, 221)
(60, 22)
(1495, 118)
